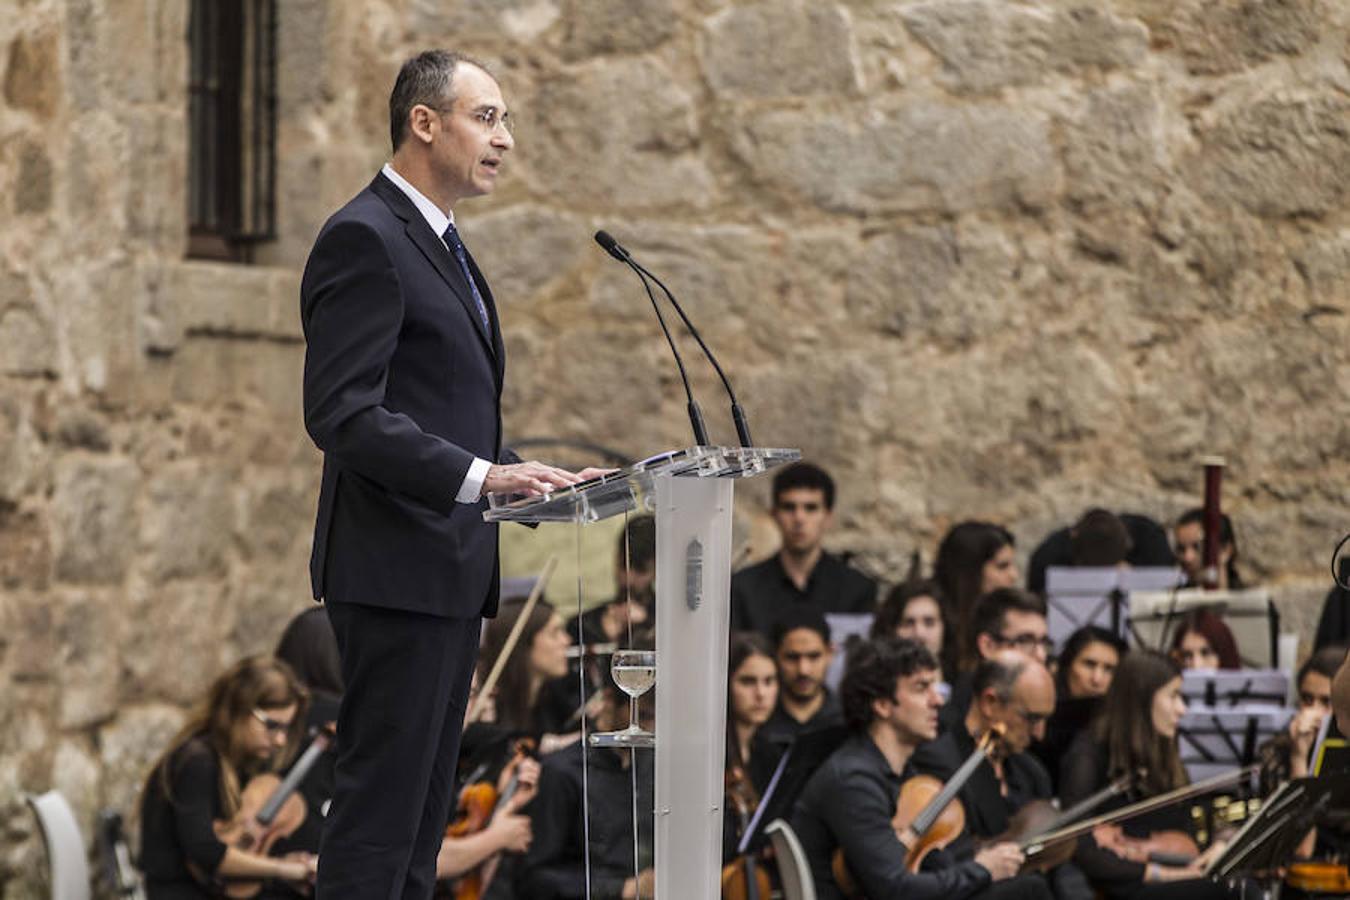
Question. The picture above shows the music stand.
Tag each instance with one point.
(1266, 843)
(1219, 740)
(1077, 596)
(1250, 615)
(842, 627)
(796, 766)
(1224, 688)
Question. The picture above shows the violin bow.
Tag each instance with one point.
(1038, 843)
(490, 683)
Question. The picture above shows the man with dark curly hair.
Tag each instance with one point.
(891, 702)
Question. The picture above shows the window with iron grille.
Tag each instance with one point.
(232, 104)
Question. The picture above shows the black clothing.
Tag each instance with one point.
(174, 833)
(760, 592)
(554, 866)
(987, 810)
(1084, 772)
(1333, 626)
(1149, 546)
(782, 729)
(1072, 716)
(952, 715)
(849, 803)
(407, 677)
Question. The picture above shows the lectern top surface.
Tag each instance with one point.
(630, 488)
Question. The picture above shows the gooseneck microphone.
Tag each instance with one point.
(695, 414)
(616, 250)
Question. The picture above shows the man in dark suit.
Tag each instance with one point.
(402, 386)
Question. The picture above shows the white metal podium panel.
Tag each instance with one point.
(693, 585)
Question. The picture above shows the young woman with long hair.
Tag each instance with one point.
(250, 722)
(539, 656)
(1136, 734)
(973, 559)
(1204, 641)
(914, 610)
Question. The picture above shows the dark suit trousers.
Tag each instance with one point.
(406, 681)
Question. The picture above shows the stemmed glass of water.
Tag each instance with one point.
(634, 671)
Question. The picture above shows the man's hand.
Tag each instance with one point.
(1002, 860)
(527, 478)
(513, 832)
(643, 886)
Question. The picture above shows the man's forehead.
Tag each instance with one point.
(1019, 621)
(475, 87)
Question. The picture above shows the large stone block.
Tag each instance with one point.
(1283, 154)
(618, 135)
(522, 249)
(187, 524)
(128, 747)
(25, 549)
(596, 27)
(1215, 37)
(1116, 150)
(985, 45)
(32, 79)
(34, 186)
(89, 637)
(93, 519)
(24, 460)
(919, 157)
(943, 284)
(780, 49)
(27, 344)
(201, 619)
(465, 23)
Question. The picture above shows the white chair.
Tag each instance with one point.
(66, 852)
(793, 870)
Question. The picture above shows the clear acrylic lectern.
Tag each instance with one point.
(690, 493)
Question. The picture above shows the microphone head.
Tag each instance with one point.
(612, 247)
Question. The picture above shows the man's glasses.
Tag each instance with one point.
(1027, 643)
(273, 726)
(488, 118)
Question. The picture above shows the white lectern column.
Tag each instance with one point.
(693, 576)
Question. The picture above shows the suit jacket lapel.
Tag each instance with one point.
(436, 253)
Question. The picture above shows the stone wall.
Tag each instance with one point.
(979, 257)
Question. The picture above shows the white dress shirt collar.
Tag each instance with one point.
(437, 218)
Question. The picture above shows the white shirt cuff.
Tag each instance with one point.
(472, 487)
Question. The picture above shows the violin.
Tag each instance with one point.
(478, 803)
(1319, 877)
(269, 810)
(743, 878)
(927, 817)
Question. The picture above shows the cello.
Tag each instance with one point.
(927, 816)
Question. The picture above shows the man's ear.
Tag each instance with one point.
(985, 645)
(881, 708)
(419, 123)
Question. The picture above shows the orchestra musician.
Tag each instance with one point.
(1003, 619)
(1136, 734)
(1204, 641)
(890, 702)
(1085, 668)
(973, 559)
(752, 692)
(1189, 544)
(249, 723)
(1014, 695)
(1286, 755)
(540, 655)
(914, 610)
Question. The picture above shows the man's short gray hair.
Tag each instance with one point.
(423, 79)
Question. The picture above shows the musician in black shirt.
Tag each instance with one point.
(890, 701)
(251, 722)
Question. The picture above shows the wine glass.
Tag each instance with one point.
(634, 671)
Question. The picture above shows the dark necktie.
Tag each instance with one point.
(456, 246)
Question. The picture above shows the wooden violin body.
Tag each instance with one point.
(247, 832)
(744, 878)
(916, 795)
(1319, 877)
